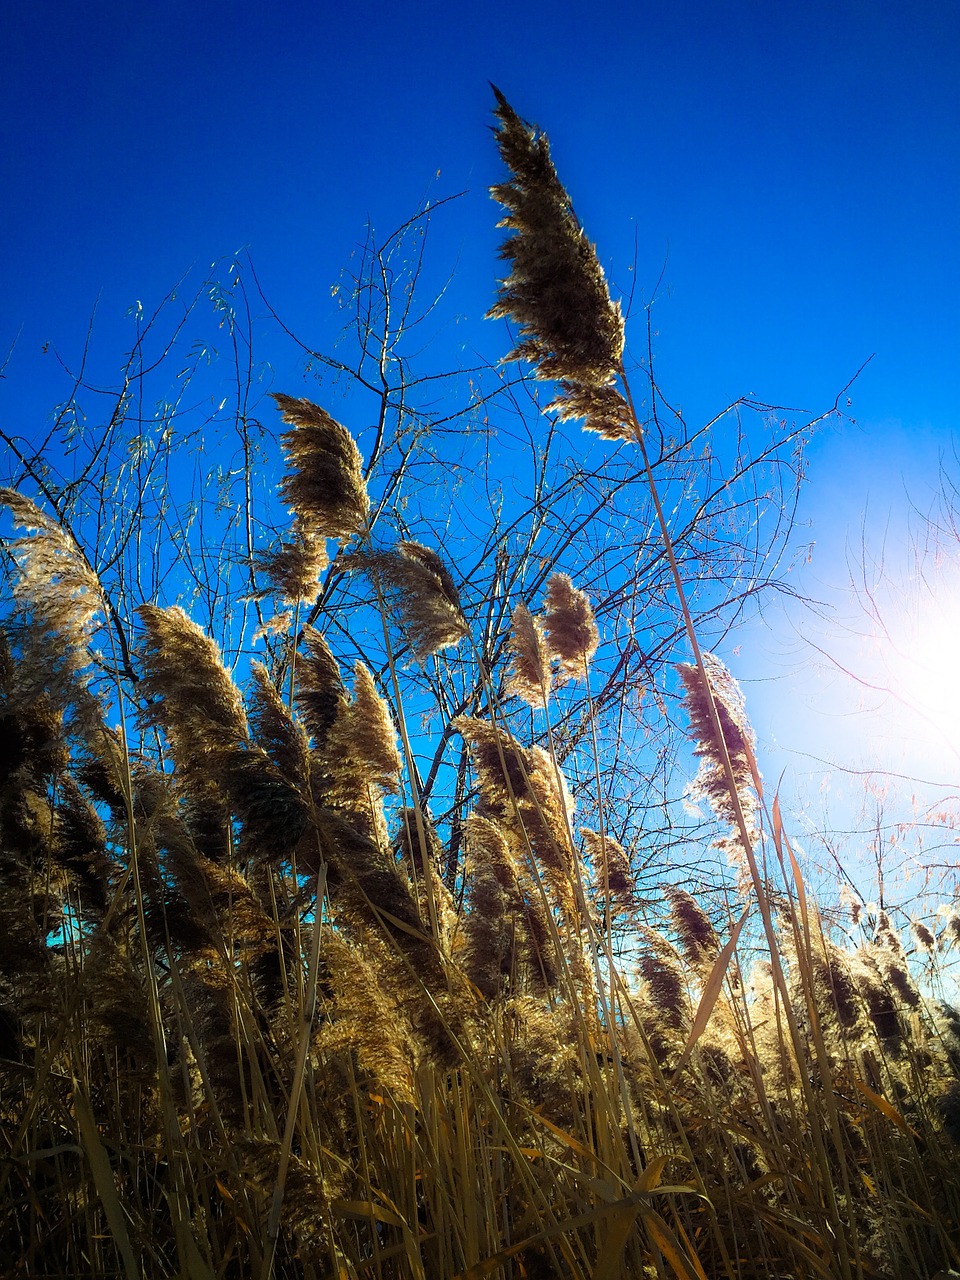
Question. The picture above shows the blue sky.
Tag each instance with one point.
(791, 172)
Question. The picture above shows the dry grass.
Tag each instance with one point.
(247, 1030)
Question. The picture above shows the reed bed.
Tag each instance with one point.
(249, 1029)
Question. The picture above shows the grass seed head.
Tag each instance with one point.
(320, 693)
(293, 568)
(926, 941)
(530, 677)
(611, 870)
(325, 488)
(571, 628)
(556, 292)
(55, 582)
(738, 741)
(423, 593)
(698, 938)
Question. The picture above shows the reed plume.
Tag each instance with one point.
(499, 931)
(694, 929)
(612, 874)
(274, 729)
(80, 845)
(422, 591)
(925, 940)
(556, 292)
(325, 488)
(530, 677)
(55, 582)
(327, 495)
(116, 1000)
(362, 1017)
(951, 924)
(507, 931)
(519, 789)
(425, 858)
(191, 695)
(222, 770)
(571, 628)
(361, 759)
(293, 567)
(738, 745)
(662, 972)
(320, 693)
(878, 998)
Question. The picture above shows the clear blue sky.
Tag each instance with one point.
(793, 171)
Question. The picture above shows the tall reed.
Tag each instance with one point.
(247, 1029)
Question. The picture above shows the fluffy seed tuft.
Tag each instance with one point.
(556, 292)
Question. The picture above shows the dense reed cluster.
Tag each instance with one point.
(248, 1027)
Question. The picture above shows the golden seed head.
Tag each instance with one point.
(556, 292)
(530, 676)
(325, 488)
(571, 628)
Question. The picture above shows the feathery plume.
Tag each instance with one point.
(372, 897)
(662, 972)
(893, 966)
(274, 729)
(886, 936)
(490, 925)
(881, 1007)
(80, 844)
(924, 939)
(698, 938)
(951, 925)
(572, 634)
(542, 1065)
(529, 677)
(116, 999)
(325, 489)
(422, 591)
(556, 292)
(507, 922)
(408, 849)
(293, 568)
(194, 699)
(611, 870)
(361, 1016)
(834, 983)
(320, 693)
(853, 904)
(359, 760)
(738, 739)
(364, 733)
(60, 589)
(201, 712)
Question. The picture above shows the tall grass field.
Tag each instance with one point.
(263, 1014)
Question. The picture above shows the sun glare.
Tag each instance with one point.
(922, 657)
